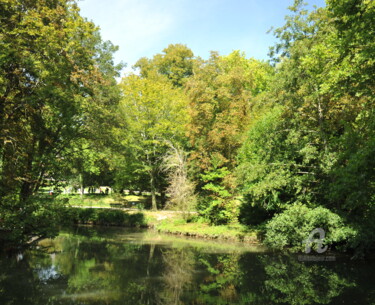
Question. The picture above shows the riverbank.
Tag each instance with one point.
(232, 232)
(171, 222)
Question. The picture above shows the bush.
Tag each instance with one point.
(292, 227)
(135, 220)
(254, 215)
(219, 211)
(69, 216)
(109, 217)
(105, 217)
(196, 218)
(86, 215)
(364, 241)
(36, 217)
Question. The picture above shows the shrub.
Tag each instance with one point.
(21, 221)
(254, 214)
(292, 227)
(105, 217)
(86, 215)
(110, 217)
(135, 220)
(218, 211)
(217, 202)
(364, 241)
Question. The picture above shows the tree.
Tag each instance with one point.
(152, 113)
(176, 63)
(53, 63)
(222, 94)
(267, 170)
(318, 137)
(180, 189)
(50, 68)
(87, 165)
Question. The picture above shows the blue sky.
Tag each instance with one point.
(145, 27)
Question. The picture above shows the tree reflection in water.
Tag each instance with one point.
(179, 266)
(95, 268)
(290, 281)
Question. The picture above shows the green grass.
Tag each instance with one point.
(235, 232)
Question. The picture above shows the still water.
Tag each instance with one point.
(122, 266)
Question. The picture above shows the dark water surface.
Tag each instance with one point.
(121, 266)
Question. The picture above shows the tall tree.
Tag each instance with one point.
(53, 62)
(176, 62)
(222, 93)
(152, 113)
(53, 67)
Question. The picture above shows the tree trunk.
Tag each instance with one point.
(153, 192)
(163, 197)
(81, 185)
(26, 186)
(9, 171)
(26, 191)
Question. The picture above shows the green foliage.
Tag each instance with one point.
(290, 281)
(353, 70)
(37, 217)
(363, 242)
(217, 204)
(87, 165)
(292, 227)
(314, 141)
(253, 214)
(151, 113)
(264, 173)
(106, 217)
(54, 73)
(353, 177)
(176, 63)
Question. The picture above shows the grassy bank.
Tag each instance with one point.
(162, 221)
(235, 232)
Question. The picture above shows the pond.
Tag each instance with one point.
(121, 266)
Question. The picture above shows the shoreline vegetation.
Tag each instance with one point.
(106, 210)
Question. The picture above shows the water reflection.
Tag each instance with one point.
(178, 274)
(114, 266)
(292, 282)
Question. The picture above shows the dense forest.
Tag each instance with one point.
(286, 145)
